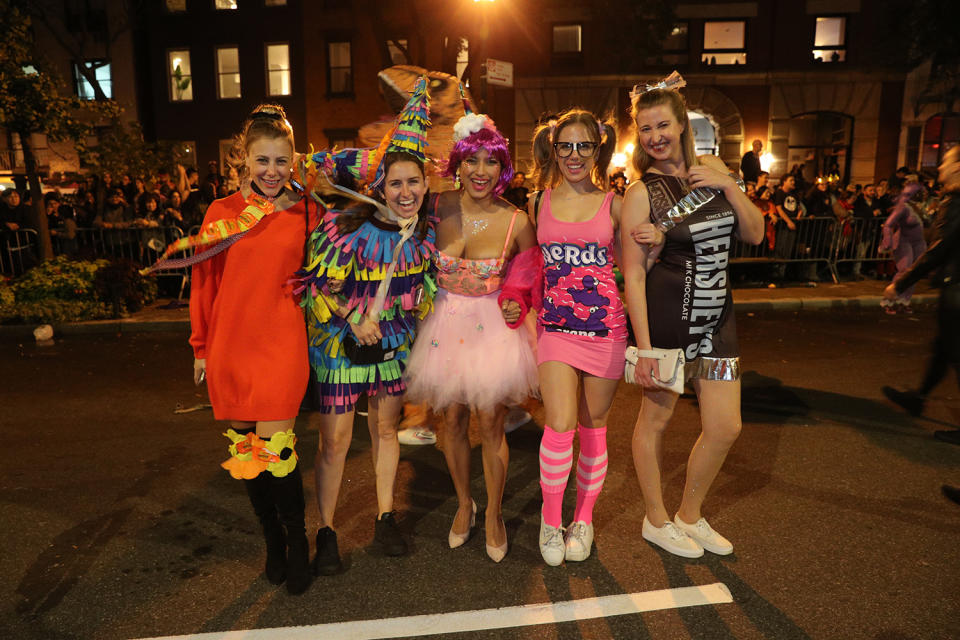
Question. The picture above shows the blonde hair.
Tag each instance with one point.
(678, 106)
(265, 121)
(545, 173)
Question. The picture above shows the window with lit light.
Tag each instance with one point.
(181, 79)
(274, 3)
(176, 6)
(278, 69)
(228, 72)
(339, 68)
(567, 38)
(101, 71)
(724, 43)
(224, 4)
(829, 40)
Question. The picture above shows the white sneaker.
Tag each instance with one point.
(516, 418)
(579, 541)
(671, 538)
(418, 435)
(551, 543)
(704, 535)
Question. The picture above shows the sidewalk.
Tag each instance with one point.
(165, 315)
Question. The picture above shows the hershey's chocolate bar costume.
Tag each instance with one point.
(689, 300)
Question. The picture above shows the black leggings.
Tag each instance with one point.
(946, 346)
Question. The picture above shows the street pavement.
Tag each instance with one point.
(119, 522)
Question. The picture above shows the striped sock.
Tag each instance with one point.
(556, 459)
(591, 471)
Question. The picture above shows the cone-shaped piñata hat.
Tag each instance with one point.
(410, 133)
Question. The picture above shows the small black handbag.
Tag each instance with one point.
(365, 353)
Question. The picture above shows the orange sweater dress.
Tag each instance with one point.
(245, 321)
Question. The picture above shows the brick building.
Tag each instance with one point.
(798, 75)
(204, 64)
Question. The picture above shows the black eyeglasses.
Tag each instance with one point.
(585, 149)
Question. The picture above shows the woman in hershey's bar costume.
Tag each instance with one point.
(679, 222)
(581, 327)
(465, 356)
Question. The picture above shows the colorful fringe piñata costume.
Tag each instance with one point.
(360, 259)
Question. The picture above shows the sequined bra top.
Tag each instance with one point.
(473, 277)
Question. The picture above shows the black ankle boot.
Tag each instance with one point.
(261, 498)
(327, 561)
(387, 534)
(288, 496)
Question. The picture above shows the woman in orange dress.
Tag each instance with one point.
(249, 337)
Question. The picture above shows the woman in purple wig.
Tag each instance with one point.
(465, 357)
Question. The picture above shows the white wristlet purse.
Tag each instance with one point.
(671, 362)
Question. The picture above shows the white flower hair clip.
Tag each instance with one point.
(468, 125)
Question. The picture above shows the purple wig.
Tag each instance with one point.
(496, 146)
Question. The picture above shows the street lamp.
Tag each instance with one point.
(482, 51)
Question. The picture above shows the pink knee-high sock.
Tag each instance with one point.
(556, 459)
(591, 471)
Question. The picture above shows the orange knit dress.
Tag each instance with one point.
(245, 321)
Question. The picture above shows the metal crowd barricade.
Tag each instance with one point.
(141, 245)
(860, 241)
(813, 241)
(18, 251)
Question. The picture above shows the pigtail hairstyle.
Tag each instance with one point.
(545, 172)
(265, 121)
(540, 172)
(678, 106)
(605, 152)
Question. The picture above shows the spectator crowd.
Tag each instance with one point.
(180, 199)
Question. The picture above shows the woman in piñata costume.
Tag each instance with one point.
(465, 356)
(248, 336)
(375, 258)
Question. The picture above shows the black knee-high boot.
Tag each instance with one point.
(261, 497)
(288, 496)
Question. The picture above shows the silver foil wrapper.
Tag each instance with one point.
(688, 204)
(713, 369)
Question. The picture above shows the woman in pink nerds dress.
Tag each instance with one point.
(581, 328)
(465, 357)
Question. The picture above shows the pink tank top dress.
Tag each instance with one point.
(582, 322)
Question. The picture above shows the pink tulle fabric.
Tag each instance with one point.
(465, 354)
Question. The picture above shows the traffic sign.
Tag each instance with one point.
(499, 72)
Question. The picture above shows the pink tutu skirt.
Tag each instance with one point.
(465, 354)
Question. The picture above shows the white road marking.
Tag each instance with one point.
(485, 619)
